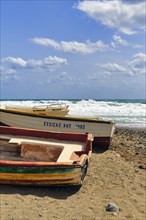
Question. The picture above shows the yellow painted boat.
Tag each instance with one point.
(36, 157)
(51, 109)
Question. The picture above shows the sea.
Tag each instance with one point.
(126, 113)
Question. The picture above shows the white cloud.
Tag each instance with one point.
(15, 63)
(73, 46)
(118, 41)
(114, 67)
(138, 63)
(46, 42)
(10, 65)
(126, 30)
(136, 66)
(127, 17)
(139, 58)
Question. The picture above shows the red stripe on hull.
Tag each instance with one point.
(37, 164)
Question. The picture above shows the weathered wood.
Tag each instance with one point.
(10, 151)
(40, 152)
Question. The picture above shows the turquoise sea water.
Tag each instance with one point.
(124, 112)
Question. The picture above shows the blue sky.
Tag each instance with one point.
(73, 49)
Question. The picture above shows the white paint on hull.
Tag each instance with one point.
(97, 129)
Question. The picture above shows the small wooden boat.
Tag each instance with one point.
(102, 130)
(51, 109)
(36, 157)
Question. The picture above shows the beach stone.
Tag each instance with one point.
(142, 166)
(114, 213)
(112, 207)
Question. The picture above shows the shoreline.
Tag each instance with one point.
(116, 175)
(126, 127)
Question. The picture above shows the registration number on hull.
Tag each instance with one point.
(62, 125)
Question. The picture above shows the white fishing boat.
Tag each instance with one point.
(102, 130)
(51, 109)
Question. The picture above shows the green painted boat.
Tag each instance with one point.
(38, 157)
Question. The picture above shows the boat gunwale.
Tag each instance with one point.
(39, 164)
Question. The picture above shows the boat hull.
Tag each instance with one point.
(37, 175)
(100, 129)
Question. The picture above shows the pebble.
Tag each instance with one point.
(114, 214)
(112, 207)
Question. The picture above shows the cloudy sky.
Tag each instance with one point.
(73, 49)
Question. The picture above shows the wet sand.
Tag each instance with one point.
(117, 175)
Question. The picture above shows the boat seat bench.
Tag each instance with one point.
(66, 153)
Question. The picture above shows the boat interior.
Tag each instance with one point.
(20, 148)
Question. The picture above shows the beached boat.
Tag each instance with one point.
(51, 109)
(102, 130)
(36, 157)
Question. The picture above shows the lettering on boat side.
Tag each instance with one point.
(80, 126)
(67, 125)
(63, 125)
(52, 124)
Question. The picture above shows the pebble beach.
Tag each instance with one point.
(116, 175)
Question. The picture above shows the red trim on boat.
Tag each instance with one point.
(43, 134)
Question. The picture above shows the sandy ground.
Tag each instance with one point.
(117, 175)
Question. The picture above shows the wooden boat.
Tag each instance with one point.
(36, 157)
(51, 109)
(102, 130)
